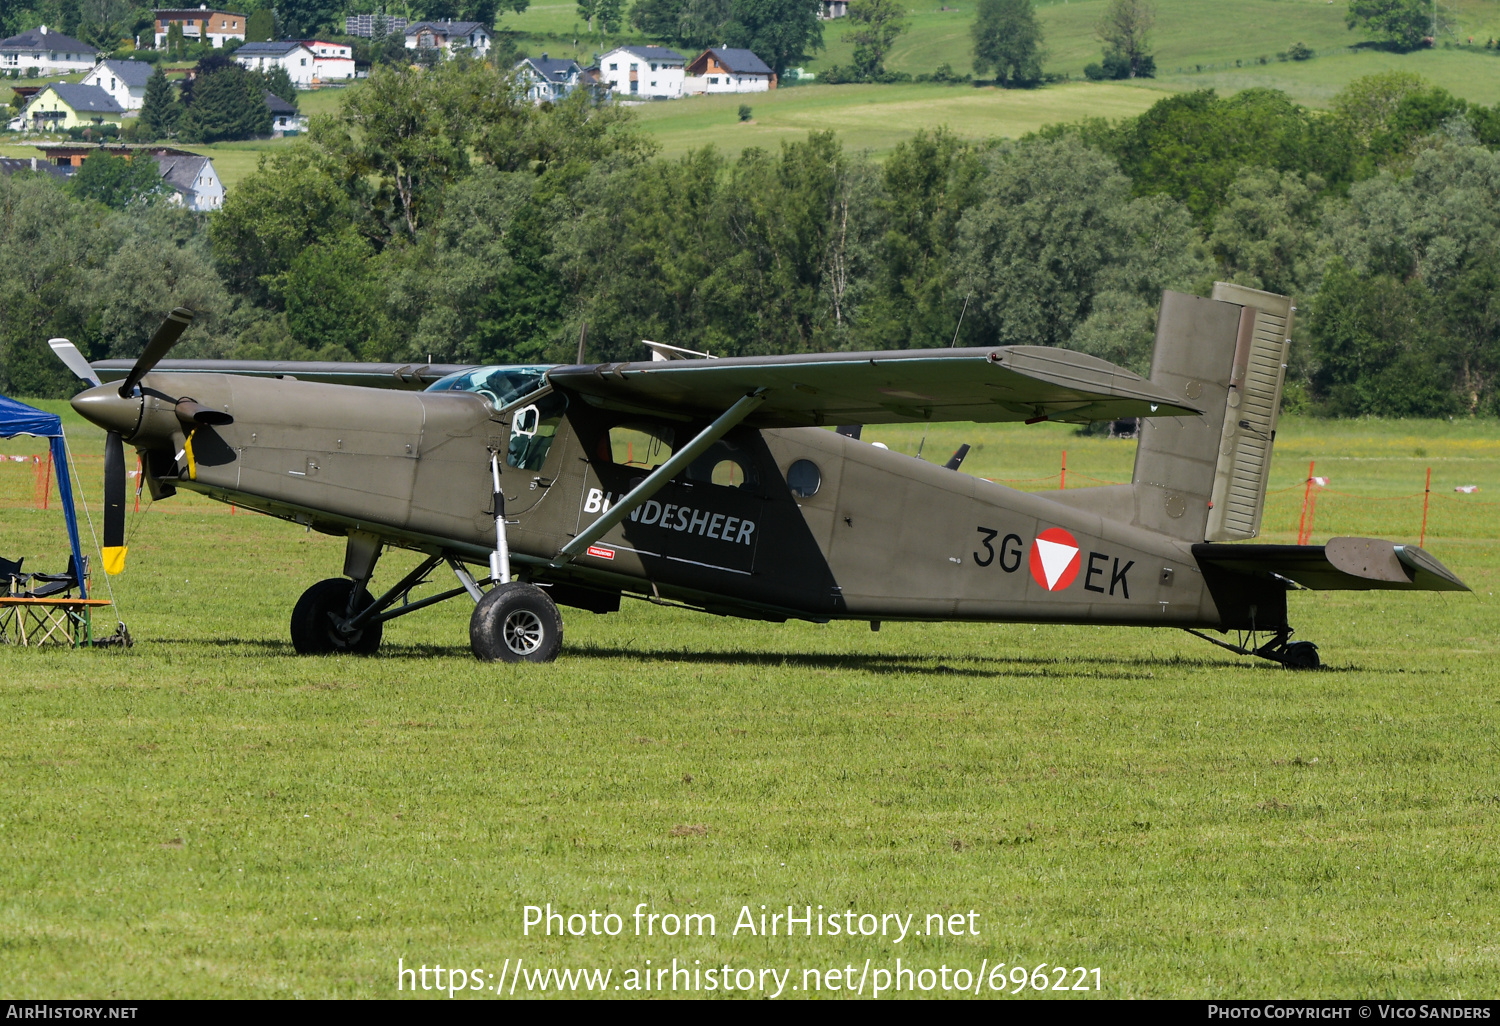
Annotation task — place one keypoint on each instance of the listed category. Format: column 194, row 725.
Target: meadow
column 208, row 815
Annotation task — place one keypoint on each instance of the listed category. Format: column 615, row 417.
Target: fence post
column 1426, row 494
column 1303, row 530
column 1065, row 471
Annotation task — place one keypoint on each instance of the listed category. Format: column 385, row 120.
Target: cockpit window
column 500, row 385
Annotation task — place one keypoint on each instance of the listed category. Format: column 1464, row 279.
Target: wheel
column 516, row 623
column 1301, row 655
column 315, row 619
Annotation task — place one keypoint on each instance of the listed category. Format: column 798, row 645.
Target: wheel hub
column 523, row 632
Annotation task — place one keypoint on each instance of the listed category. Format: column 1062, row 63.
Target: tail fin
column 1204, row 478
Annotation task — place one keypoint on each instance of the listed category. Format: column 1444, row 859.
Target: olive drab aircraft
column 721, row 485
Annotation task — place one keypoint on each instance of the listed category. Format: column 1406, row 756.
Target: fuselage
column 770, row 523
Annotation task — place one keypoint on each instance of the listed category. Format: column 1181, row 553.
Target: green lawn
column 875, row 118
column 207, row 815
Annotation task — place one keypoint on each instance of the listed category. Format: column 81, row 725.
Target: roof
column 447, row 28
column 278, row 105
column 44, row 39
column 85, row 99
column 553, row 69
column 268, row 49
column 194, row 10
column 14, row 165
column 181, row 173
column 132, row 73
column 16, row 418
column 742, row 62
column 653, row 53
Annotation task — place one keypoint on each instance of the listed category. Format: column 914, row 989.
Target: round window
column 804, row 478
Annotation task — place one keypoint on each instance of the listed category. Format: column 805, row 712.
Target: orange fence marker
column 1065, row 470
column 47, row 483
column 1426, row 494
column 1304, row 529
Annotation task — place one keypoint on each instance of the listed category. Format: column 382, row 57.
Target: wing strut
column 660, row 476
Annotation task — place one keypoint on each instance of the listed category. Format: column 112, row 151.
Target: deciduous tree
column 873, row 28
column 1125, row 29
column 783, row 33
column 1008, row 41
column 1404, row 22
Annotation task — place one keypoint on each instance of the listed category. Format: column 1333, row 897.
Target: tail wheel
column 1301, row 655
column 516, row 623
column 318, row 617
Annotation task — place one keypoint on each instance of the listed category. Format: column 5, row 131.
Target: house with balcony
column 49, row 52
column 548, row 80
column 200, row 24
column 332, row 62
column 448, row 36
column 725, row 70
column 65, row 105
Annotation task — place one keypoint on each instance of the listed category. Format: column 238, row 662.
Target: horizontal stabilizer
column 1344, row 564
column 1011, row 383
column 409, row 376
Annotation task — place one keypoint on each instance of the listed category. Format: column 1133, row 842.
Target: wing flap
column 987, row 385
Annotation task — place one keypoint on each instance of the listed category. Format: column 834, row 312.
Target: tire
column 1301, row 655
column 313, row 629
column 516, row 623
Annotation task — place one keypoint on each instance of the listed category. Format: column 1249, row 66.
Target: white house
column 830, row 9
column 547, row 80
column 199, row 23
column 51, row 53
column 123, row 80
column 193, row 181
column 648, row 72
column 332, row 62
column 296, row 58
column 284, row 117
column 448, row 36
column 722, row 70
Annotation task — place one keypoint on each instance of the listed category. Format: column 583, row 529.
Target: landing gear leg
column 320, row 620
column 1294, row 655
column 516, row 623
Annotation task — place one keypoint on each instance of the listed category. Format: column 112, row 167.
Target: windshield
column 499, row 385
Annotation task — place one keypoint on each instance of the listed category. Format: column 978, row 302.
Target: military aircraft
column 712, row 484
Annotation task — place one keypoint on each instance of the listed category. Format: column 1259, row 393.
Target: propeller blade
column 165, row 338
column 114, row 504
column 68, row 353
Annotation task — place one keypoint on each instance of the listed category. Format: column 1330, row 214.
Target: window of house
column 653, row 67
column 635, row 85
column 713, row 80
column 653, row 85
column 634, row 66
column 614, row 67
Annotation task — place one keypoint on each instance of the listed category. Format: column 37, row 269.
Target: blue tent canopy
column 20, row 419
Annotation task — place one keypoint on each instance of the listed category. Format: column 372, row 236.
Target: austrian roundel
column 1054, row 559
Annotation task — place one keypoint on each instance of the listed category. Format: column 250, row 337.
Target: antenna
column 923, row 444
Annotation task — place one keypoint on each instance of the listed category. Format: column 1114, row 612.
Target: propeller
column 165, row 338
column 108, row 410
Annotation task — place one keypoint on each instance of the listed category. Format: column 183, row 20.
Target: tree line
column 440, row 215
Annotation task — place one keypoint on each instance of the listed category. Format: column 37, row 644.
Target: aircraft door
column 533, row 453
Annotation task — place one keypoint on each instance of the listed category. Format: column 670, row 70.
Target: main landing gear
column 1280, row 648
column 512, row 622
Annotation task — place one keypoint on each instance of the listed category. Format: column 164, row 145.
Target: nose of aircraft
column 104, row 406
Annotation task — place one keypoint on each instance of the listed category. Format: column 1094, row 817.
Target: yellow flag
column 114, row 559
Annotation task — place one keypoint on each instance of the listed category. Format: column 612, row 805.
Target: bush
column 1298, row 52
column 32, row 73
column 1094, row 73
column 744, row 112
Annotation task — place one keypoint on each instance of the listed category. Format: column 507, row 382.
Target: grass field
column 206, row 815
column 876, row 118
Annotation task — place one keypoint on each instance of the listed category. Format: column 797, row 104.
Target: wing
column 410, row 376
column 1026, row 383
